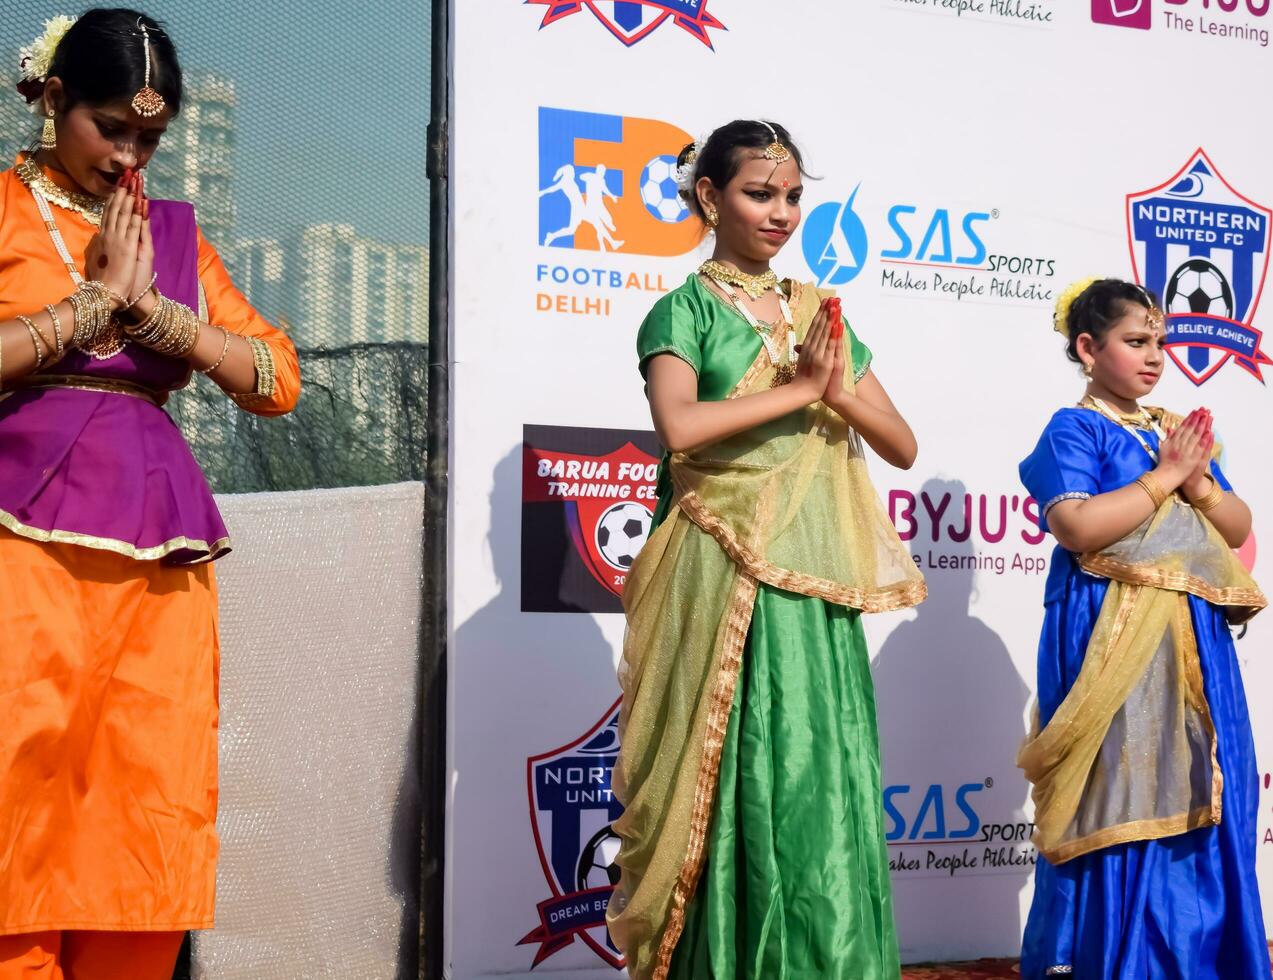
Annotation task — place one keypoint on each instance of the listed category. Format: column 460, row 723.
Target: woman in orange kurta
column 108, row 617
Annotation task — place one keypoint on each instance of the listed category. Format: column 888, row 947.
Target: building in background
column 195, row 161
column 260, row 270
column 327, row 284
column 355, row 289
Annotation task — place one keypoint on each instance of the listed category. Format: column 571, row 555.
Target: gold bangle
column 57, row 329
column 1212, row 499
column 225, row 349
column 1149, row 483
column 154, row 277
column 35, row 339
column 121, row 300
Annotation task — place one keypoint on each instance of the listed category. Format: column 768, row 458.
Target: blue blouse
column 1080, row 454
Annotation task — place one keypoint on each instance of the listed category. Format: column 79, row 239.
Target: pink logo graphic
column 1122, row 13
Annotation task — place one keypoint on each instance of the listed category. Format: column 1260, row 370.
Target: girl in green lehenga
column 752, row 842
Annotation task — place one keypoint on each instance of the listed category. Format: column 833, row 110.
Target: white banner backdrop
column 972, row 158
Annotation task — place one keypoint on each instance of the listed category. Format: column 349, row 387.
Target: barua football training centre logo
column 1204, row 249
column 593, row 489
column 608, row 183
column 571, row 810
column 635, row 20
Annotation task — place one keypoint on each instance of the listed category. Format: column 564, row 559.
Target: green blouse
column 713, row 338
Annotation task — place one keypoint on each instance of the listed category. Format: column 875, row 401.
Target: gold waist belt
column 86, row 383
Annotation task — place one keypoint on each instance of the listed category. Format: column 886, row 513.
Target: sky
column 333, row 104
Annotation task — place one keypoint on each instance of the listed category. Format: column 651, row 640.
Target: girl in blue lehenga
column 1145, row 783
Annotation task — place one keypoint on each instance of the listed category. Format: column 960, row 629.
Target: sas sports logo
column 1203, row 248
column 588, row 498
column 571, row 810
column 1123, row 13
column 834, row 242
column 608, row 183
column 634, row 20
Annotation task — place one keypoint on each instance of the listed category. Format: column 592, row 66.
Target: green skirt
column 796, row 885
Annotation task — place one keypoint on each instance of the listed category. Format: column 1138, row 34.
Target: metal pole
column 434, row 620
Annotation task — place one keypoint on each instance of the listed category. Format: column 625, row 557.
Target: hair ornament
column 147, row 102
column 36, row 58
column 685, row 172
column 1061, row 318
column 777, row 150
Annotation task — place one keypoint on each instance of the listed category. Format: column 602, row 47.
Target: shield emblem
column 633, row 20
column 571, row 810
column 626, row 19
column 1203, row 249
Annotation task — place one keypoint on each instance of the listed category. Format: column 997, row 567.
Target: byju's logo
column 1204, row 249
column 607, row 183
column 571, row 809
column 634, row 20
column 834, row 242
column 1123, row 13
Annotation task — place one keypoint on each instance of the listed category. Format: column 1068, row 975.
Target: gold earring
column 1087, row 371
column 48, row 135
column 713, row 219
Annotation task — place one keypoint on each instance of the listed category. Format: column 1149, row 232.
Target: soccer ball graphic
column 596, row 863
column 1199, row 287
column 621, row 532
column 659, row 191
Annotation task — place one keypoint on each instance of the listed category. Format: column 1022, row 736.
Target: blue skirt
column 1184, row 907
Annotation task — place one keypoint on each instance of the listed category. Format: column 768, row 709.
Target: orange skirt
column 108, row 741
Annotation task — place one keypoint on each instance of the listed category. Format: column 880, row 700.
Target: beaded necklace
column 111, row 340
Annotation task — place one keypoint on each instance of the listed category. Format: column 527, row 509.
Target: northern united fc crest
column 571, row 810
column 1203, row 248
column 634, row 20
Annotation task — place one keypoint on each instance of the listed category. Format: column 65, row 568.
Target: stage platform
column 972, row 970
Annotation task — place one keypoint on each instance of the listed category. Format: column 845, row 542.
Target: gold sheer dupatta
column 789, row 504
column 1130, row 754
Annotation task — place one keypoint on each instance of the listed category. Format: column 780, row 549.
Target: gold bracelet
column 92, row 311
column 57, row 329
column 225, row 349
column 121, row 300
column 1212, row 499
column 1149, row 483
column 154, row 277
column 35, row 339
column 171, row 329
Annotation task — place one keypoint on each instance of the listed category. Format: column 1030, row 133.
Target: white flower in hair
column 685, row 172
column 35, row 59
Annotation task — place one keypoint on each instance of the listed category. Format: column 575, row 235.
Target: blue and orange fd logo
column 608, row 183
column 1203, row 248
column 634, row 20
column 571, row 812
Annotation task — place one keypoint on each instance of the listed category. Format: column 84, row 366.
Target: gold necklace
column 109, row 341
column 753, row 286
column 85, row 205
column 1132, row 423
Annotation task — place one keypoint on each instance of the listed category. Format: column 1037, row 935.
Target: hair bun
column 31, row 89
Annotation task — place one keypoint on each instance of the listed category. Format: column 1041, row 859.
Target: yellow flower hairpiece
column 1061, row 318
column 35, row 60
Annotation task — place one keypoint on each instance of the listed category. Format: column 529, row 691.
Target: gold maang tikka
column 147, row 102
column 777, row 150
